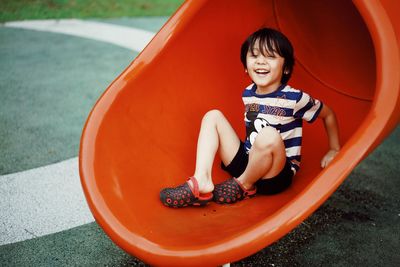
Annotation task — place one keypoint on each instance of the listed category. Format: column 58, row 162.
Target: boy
column 270, row 156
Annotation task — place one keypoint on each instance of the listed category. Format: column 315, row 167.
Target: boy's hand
column 332, row 130
column 328, row 157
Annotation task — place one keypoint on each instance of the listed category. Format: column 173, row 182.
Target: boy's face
column 265, row 70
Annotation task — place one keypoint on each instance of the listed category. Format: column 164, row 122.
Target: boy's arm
column 332, row 130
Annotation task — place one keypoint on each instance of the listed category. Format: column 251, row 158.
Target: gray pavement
column 49, row 199
column 49, row 83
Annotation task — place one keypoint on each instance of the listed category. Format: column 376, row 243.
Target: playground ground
column 48, row 84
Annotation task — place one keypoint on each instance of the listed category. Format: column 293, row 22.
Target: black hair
column 270, row 41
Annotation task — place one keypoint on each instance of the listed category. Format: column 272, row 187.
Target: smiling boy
column 267, row 160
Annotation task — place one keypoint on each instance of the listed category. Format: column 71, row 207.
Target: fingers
column 324, row 162
column 327, row 159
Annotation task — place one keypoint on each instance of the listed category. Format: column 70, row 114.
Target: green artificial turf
column 12, row 10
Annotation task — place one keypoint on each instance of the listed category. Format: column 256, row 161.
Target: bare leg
column 215, row 133
column 267, row 157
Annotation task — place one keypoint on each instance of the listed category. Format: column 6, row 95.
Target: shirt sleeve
column 307, row 108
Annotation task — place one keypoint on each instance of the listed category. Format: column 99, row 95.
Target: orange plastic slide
column 141, row 135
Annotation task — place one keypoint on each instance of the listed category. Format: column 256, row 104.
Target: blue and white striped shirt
column 285, row 109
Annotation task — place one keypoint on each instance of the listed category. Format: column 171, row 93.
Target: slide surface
column 141, row 135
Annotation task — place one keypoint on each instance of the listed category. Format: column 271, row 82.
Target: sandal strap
column 246, row 192
column 195, row 189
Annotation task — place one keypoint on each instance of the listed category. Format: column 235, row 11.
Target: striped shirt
column 285, row 109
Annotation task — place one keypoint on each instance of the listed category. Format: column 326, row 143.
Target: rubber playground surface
column 50, row 81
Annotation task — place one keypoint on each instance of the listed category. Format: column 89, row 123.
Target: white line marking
column 41, row 201
column 131, row 38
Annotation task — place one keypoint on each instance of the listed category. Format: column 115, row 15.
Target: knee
column 268, row 139
column 212, row 116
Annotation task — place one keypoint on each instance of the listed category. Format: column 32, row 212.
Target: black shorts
column 269, row 186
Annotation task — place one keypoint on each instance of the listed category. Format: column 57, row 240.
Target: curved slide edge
column 382, row 118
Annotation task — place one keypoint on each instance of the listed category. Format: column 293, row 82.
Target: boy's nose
column 261, row 61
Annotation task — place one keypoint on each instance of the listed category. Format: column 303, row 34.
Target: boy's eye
column 256, row 54
column 270, row 55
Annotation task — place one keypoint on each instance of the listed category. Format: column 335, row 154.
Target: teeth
column 262, row 71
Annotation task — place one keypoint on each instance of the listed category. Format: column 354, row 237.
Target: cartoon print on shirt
column 256, row 125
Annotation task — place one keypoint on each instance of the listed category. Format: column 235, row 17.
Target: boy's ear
column 286, row 71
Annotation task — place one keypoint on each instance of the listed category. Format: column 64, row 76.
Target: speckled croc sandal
column 184, row 195
column 231, row 191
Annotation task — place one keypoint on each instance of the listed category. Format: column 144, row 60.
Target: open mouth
column 261, row 71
